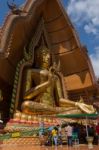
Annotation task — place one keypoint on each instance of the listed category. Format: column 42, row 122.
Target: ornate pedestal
column 90, row 142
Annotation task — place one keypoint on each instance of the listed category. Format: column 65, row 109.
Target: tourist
column 59, row 134
column 91, row 130
column 55, row 136
column 75, row 134
column 41, row 133
column 69, row 130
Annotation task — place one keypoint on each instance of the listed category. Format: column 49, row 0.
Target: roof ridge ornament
column 14, row 8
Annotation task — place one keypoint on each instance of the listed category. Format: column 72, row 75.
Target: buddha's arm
column 30, row 76
column 82, row 106
column 86, row 108
column 65, row 102
column 30, row 94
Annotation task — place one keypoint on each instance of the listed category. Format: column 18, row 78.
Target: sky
column 84, row 15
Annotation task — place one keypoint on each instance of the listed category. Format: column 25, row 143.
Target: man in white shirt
column 69, row 131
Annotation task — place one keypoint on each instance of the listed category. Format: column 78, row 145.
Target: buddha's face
column 43, row 58
column 46, row 61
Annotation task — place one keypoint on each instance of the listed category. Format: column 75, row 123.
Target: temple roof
column 17, row 30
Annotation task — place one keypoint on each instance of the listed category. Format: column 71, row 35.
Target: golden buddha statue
column 45, row 95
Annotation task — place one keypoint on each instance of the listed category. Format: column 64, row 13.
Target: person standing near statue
column 55, row 136
column 41, row 133
column 69, row 131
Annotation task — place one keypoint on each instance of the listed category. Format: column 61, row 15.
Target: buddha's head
column 43, row 58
